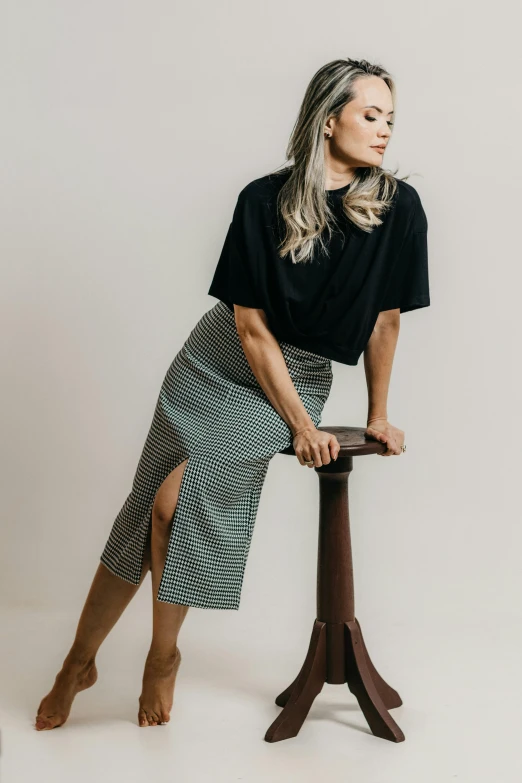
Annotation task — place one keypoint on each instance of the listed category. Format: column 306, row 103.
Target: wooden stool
column 337, row 653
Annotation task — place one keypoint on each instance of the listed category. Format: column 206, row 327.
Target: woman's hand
column 381, row 429
column 315, row 446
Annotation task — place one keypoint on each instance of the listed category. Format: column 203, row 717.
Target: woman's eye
column 372, row 119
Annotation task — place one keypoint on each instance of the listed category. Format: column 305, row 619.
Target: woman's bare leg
column 163, row 659
column 106, row 601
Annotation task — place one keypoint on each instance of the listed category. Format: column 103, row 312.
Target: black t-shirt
column 328, row 305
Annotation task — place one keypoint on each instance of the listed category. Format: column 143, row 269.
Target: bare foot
column 157, row 693
column 54, row 708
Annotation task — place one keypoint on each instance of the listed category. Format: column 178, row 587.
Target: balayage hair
column 302, row 201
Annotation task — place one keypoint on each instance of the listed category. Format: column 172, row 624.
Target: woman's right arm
column 268, row 364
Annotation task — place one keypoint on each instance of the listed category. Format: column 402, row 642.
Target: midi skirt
column 212, row 411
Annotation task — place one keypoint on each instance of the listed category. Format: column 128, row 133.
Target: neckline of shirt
column 340, row 191
column 334, row 191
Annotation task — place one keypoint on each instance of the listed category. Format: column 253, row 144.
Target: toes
column 148, row 718
column 45, row 723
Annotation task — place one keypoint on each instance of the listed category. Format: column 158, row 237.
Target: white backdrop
column 128, row 129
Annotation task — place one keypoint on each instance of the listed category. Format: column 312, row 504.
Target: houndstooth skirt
column 212, row 410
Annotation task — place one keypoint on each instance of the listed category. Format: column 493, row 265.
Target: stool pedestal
column 337, row 653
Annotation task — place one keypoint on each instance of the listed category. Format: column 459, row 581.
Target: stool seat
column 352, row 440
column 337, row 651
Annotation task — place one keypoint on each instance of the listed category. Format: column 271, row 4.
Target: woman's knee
column 167, row 498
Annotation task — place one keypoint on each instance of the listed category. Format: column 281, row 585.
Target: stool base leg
column 389, row 696
column 366, row 690
column 373, row 694
column 300, row 695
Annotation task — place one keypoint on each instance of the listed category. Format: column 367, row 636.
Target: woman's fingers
column 334, row 447
column 300, row 456
column 316, row 448
column 320, row 454
column 392, row 447
column 393, row 438
column 326, row 457
column 315, row 455
column 303, row 454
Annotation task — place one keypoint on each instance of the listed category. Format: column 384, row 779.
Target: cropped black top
column 328, row 305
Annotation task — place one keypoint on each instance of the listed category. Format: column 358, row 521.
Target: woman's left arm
column 378, row 361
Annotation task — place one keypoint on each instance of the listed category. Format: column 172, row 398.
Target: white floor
column 459, row 679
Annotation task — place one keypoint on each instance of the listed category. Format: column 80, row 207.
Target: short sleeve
column 408, row 287
column 235, row 279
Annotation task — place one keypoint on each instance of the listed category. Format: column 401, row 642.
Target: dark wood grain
column 337, row 652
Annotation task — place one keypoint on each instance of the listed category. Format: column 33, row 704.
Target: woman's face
column 364, row 124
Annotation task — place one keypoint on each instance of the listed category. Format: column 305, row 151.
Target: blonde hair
column 302, row 202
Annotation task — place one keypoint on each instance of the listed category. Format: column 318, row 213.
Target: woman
column 319, row 261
